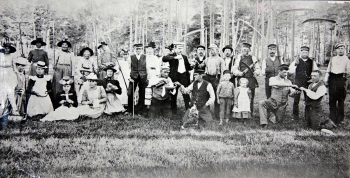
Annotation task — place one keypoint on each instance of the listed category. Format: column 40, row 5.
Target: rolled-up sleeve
column 321, row 91
column 211, row 95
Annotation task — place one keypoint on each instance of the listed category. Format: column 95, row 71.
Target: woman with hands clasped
column 94, row 99
column 66, row 101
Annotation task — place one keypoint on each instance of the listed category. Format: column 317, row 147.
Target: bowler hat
column 227, row 47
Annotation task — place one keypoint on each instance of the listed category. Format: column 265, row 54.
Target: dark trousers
column 214, row 81
column 267, row 88
column 183, row 79
column 314, row 116
column 142, row 83
column 4, row 120
column 337, row 95
column 297, row 100
column 159, row 108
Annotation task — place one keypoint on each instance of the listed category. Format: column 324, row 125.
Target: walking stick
column 120, row 69
column 133, row 99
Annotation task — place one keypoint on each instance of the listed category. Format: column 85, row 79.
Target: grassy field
column 155, row 147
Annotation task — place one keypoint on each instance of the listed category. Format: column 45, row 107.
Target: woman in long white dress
column 94, row 99
column 67, row 102
column 123, row 76
column 7, row 72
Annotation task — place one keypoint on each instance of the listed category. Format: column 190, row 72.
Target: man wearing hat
column 301, row 68
column 336, row 76
column 153, row 62
column 203, row 95
column 215, row 65
column 281, row 89
column 64, row 65
column 138, row 77
column 200, row 58
column 269, row 67
column 36, row 55
column 229, row 60
column 105, row 58
column 247, row 66
column 162, row 89
column 179, row 72
column 20, row 64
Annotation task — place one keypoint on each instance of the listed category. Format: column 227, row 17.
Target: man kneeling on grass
column 281, row 88
column 314, row 114
column 202, row 96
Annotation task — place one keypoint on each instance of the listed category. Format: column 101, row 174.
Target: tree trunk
column 130, row 36
column 202, row 21
column 163, row 30
column 263, row 29
column 254, row 41
column 170, row 28
column 234, row 29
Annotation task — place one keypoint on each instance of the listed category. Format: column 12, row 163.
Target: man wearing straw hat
column 36, row 55
column 336, row 76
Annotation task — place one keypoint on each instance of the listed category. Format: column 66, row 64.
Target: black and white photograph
column 174, row 88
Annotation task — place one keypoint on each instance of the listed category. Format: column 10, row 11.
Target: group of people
column 86, row 86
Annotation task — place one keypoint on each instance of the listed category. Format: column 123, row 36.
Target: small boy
column 225, row 96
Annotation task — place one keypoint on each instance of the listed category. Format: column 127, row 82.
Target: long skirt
column 39, row 105
column 86, row 110
column 62, row 113
column 59, row 73
column 113, row 104
column 8, row 76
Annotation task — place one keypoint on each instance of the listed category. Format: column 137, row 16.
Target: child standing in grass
column 225, row 93
column 243, row 95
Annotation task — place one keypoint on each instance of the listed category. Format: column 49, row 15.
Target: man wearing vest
column 138, row 76
column 241, row 64
column 301, row 68
column 269, row 67
column 336, row 76
column 179, row 72
column 228, row 60
column 162, row 87
column 200, row 58
column 203, row 96
column 281, row 88
column 313, row 107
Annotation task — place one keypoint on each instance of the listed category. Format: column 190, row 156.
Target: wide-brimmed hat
column 151, row 45
column 41, row 64
column 84, row 49
column 102, row 44
column 92, row 76
column 8, row 45
column 38, row 40
column 110, row 66
column 59, row 44
column 85, row 68
column 227, row 47
column 21, row 61
column 66, row 80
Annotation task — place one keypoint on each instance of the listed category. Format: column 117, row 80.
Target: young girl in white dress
column 243, row 95
column 39, row 87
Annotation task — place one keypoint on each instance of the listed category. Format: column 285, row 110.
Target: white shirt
column 153, row 66
column 227, row 63
column 293, row 67
column 210, row 90
column 338, row 65
column 321, row 91
column 214, row 65
column 181, row 68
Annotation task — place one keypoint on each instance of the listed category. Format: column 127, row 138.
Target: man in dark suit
column 179, row 72
column 138, row 76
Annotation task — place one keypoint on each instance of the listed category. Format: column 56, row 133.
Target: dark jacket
column 174, row 64
column 62, row 96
